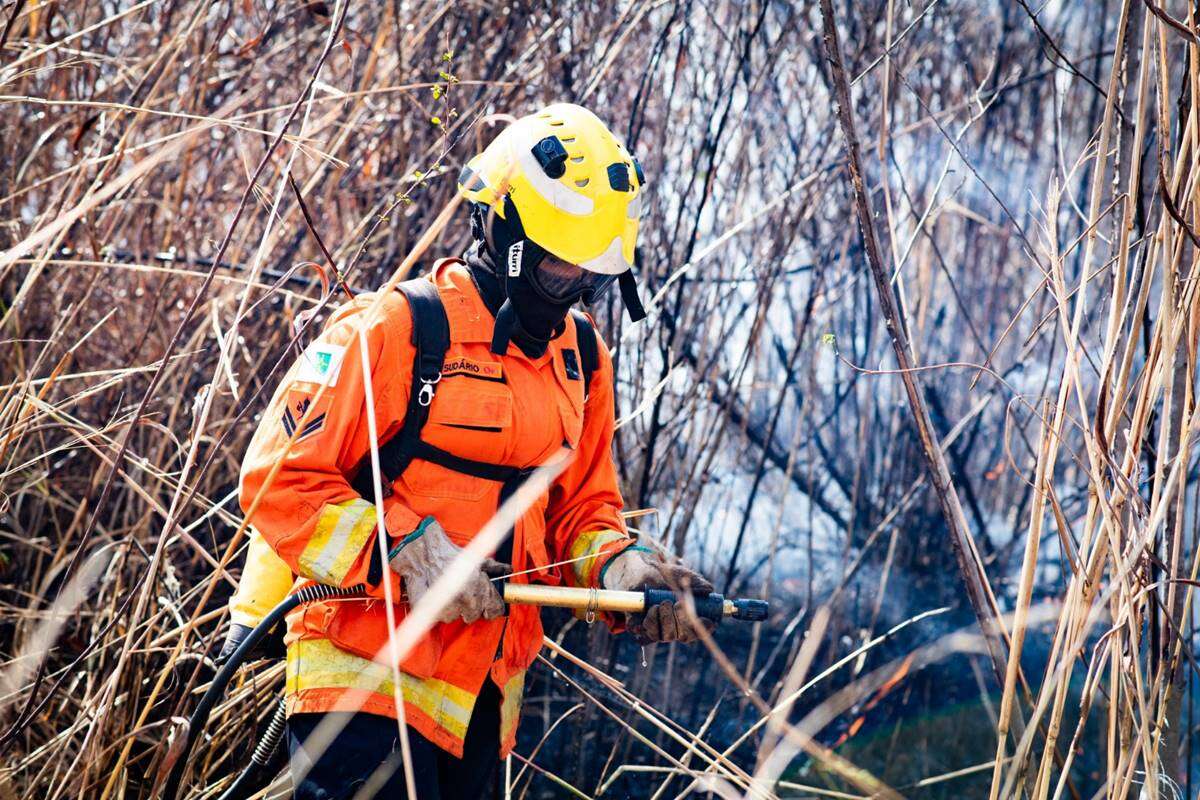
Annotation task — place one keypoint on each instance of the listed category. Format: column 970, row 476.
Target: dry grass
column 185, row 187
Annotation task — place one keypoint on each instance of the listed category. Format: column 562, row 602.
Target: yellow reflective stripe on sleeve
column 319, row 664
column 588, row 544
column 510, row 708
column 341, row 534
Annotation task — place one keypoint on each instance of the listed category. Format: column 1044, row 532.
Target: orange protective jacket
column 511, row 410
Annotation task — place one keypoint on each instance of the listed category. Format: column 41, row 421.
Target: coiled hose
column 264, row 752
column 220, row 682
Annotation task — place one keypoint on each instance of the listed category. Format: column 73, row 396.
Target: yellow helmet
column 557, row 181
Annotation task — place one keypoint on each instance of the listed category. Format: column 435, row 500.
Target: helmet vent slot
column 576, row 159
column 583, row 183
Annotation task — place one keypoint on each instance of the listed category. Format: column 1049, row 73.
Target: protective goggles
column 559, row 282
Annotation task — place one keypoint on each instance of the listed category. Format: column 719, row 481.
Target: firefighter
column 478, row 373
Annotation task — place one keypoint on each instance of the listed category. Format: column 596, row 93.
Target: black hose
column 216, row 689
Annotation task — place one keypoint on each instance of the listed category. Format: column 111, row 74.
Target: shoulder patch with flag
column 320, row 361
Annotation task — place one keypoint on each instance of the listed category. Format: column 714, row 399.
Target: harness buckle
column 425, row 397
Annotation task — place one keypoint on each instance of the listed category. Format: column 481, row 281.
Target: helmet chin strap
column 502, row 332
column 629, row 296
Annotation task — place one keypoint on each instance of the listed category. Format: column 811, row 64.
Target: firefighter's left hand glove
column 638, row 569
column 425, row 554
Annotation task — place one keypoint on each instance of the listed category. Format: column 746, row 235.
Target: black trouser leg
column 364, row 761
column 473, row 777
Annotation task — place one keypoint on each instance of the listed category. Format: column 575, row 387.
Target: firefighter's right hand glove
column 425, row 554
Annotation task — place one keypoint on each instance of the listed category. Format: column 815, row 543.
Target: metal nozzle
column 750, row 610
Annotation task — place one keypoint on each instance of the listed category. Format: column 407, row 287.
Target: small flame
column 882, row 692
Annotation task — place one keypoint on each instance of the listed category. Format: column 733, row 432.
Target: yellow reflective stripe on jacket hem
column 320, row 664
column 510, row 707
column 587, row 547
column 341, row 534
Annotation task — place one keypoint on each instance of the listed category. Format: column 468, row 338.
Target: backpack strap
column 431, row 339
column 589, row 348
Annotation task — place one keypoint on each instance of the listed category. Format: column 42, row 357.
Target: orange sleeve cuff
column 399, row 520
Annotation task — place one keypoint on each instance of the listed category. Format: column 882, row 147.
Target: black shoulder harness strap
column 589, row 349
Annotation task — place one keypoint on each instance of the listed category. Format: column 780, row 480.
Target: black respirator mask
column 538, row 292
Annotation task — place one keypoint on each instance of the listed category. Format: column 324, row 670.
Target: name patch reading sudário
column 461, row 365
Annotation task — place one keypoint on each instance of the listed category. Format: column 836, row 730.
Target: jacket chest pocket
column 470, row 418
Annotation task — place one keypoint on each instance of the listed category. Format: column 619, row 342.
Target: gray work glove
column 425, row 554
column 638, row 569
